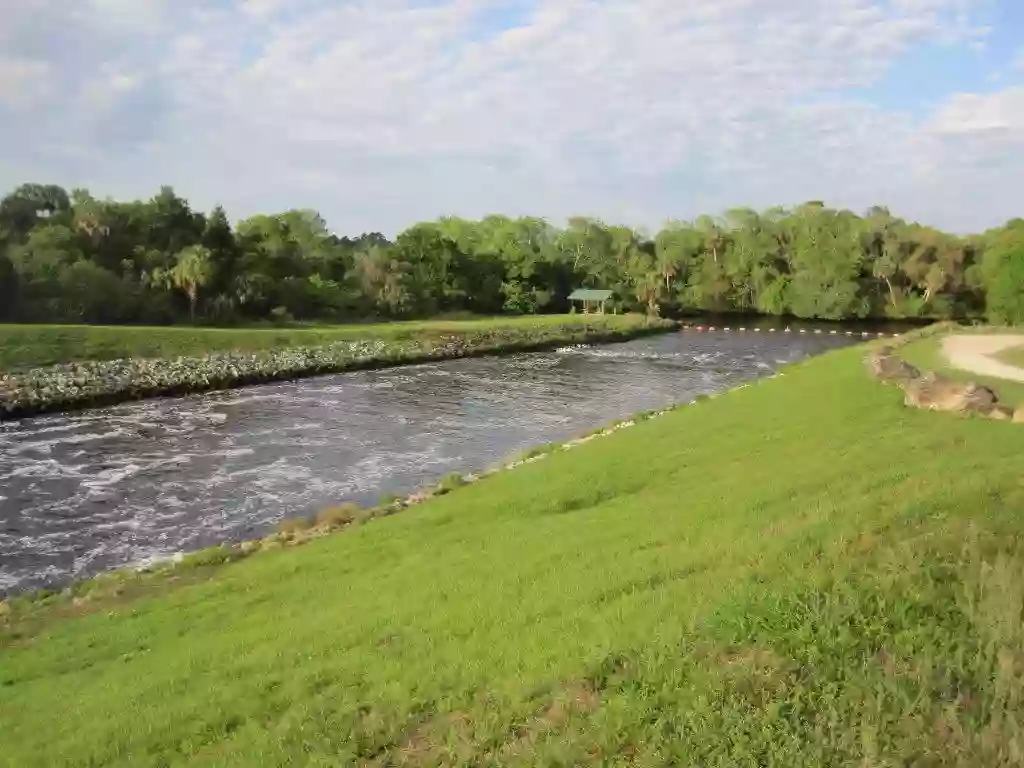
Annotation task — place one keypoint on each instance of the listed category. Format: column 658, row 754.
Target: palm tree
column 192, row 271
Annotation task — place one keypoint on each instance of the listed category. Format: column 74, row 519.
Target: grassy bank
column 115, row 364
column 800, row 572
column 35, row 346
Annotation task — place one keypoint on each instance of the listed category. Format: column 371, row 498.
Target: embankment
column 90, row 383
column 798, row 572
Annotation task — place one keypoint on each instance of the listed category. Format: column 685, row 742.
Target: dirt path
column 974, row 353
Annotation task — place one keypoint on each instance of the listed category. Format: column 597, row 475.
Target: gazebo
column 591, row 299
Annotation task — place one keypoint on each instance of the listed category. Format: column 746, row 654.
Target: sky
column 382, row 113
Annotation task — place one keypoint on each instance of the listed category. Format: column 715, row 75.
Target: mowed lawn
column 26, row 346
column 799, row 572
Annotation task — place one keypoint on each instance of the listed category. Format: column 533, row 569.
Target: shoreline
column 708, row 560
column 293, row 532
column 297, row 531
column 99, row 384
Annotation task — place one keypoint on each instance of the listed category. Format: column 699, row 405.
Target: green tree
column 384, row 279
column 9, row 288
column 676, row 248
column 191, row 273
column 1003, row 271
column 39, row 262
column 89, row 293
column 30, row 204
column 219, row 239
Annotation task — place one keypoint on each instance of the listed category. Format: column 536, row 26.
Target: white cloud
column 383, row 112
column 22, row 80
column 1000, row 112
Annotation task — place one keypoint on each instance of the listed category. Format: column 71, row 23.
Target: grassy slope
column 25, row 346
column 801, row 572
column 1013, row 356
column 926, row 354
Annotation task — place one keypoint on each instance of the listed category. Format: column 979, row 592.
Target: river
column 86, row 492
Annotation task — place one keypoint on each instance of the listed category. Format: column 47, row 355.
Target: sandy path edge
column 973, row 352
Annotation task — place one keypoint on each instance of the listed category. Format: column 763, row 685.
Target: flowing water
column 81, row 493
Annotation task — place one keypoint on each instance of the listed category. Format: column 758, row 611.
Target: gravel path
column 974, row 353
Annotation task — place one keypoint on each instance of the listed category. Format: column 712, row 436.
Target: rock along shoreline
column 79, row 386
column 299, row 531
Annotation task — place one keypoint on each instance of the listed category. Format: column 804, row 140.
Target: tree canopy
column 72, row 257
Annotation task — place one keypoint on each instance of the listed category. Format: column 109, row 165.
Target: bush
column 450, row 482
column 338, row 517
column 295, row 525
column 281, row 316
column 205, row 558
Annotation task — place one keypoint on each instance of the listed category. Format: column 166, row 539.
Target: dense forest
column 76, row 258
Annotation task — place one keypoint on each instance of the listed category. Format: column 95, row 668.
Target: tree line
column 71, row 257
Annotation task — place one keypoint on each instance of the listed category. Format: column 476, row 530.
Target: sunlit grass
column 800, row 572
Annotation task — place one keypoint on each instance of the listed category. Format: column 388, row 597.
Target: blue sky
column 380, row 113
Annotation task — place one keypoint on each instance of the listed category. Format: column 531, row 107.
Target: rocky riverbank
column 74, row 386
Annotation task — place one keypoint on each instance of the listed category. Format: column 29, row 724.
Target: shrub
column 210, row 556
column 539, row 450
column 450, row 482
column 338, row 517
column 295, row 525
column 281, row 316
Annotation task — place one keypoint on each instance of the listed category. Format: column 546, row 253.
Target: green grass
column 1012, row 356
column 27, row 346
column 800, row 572
column 926, row 355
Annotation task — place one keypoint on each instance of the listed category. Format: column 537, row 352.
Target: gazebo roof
column 588, row 294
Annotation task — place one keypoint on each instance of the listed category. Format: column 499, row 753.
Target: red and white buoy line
column 805, row 331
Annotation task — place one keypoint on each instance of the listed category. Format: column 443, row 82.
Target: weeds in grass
column 334, row 518
column 212, row 556
column 294, row 525
column 450, row 482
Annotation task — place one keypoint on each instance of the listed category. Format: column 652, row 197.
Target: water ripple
column 127, row 484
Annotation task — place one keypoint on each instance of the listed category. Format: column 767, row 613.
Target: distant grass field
column 27, row 346
column 802, row 572
column 926, row 354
